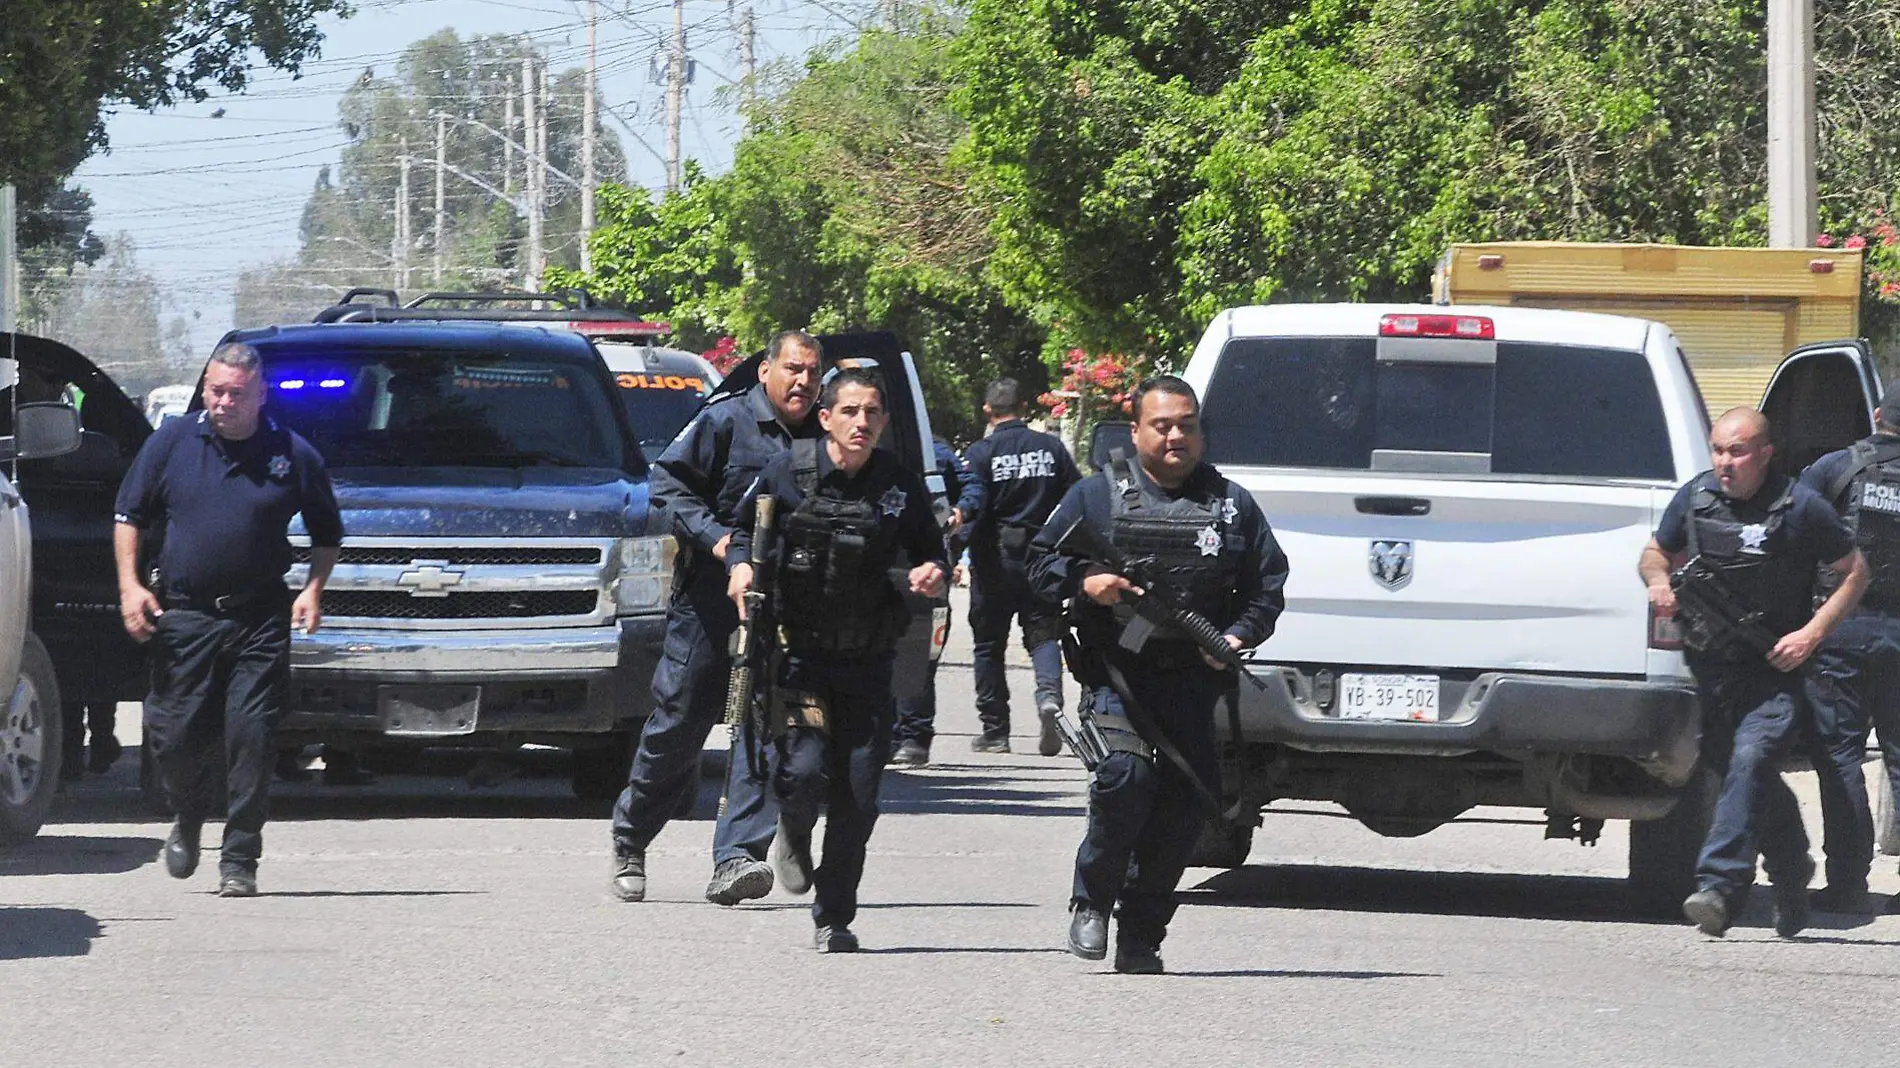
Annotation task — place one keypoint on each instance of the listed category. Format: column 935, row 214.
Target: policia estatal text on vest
column 1208, row 537
column 844, row 509
column 220, row 489
column 1765, row 535
column 1855, row 684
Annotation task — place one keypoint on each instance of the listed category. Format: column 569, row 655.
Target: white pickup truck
column 1464, row 494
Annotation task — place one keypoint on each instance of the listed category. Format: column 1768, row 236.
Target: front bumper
column 528, row 682
column 1654, row 723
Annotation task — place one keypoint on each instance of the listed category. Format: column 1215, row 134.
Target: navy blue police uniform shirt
column 224, row 507
column 884, row 481
column 700, row 480
column 1822, row 473
column 1017, row 476
column 1814, row 530
column 1259, row 590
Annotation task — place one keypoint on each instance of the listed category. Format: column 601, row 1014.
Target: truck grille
column 459, row 555
column 390, row 604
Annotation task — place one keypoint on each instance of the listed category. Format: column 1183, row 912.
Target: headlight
column 646, row 571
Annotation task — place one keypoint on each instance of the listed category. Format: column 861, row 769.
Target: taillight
column 1460, row 327
column 1664, row 634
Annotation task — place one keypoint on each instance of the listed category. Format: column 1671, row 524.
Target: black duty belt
column 842, row 641
column 226, row 604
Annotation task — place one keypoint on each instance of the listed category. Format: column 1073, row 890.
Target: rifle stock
column 1715, row 616
column 752, row 641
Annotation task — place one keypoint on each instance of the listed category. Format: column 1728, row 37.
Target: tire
column 1221, row 846
column 600, row 770
column 1886, row 835
column 1663, row 852
column 31, row 739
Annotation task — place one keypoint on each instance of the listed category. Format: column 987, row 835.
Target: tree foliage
column 62, row 60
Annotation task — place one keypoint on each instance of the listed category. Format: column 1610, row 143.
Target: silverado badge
column 1391, row 563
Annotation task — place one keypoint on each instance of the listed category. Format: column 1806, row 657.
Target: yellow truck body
column 1736, row 311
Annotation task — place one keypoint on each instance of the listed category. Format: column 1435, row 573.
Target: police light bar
column 602, row 328
column 1459, row 327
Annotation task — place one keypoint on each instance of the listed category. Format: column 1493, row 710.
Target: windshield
column 386, row 408
column 659, row 405
column 1541, row 410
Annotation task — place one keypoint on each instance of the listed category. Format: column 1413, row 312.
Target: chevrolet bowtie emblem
column 429, row 578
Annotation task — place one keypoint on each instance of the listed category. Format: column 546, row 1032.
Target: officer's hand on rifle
column 1107, row 588
column 926, row 579
column 738, row 584
column 1793, row 649
column 720, row 547
column 1233, row 643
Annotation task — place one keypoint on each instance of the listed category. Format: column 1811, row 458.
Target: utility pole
column 675, row 94
column 890, row 14
column 508, row 145
column 9, row 266
column 544, row 121
column 588, row 134
column 748, row 64
column 1793, row 216
column 401, row 250
column 531, row 175
column 441, row 214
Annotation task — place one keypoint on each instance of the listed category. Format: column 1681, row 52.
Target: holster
column 792, row 709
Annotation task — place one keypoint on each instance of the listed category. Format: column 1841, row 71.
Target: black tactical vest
column 835, row 592
column 1751, row 547
column 1187, row 541
column 1870, row 504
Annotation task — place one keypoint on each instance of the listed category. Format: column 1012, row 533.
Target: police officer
column 1766, row 535
column 220, row 489
column 917, row 714
column 1855, row 683
column 1017, row 477
column 697, row 483
column 845, row 509
column 1209, row 539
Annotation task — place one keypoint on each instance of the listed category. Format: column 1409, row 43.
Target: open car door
column 75, row 581
column 908, row 435
column 1821, row 398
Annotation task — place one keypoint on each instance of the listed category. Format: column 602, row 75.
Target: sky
column 205, row 198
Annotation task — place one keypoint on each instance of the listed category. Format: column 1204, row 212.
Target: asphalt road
column 425, row 922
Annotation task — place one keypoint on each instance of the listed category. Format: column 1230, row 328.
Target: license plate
column 428, row 710
column 1408, row 697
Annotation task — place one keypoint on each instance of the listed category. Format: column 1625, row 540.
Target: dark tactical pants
column 218, row 683
column 837, row 770
column 917, row 715
column 1145, row 815
column 1752, row 717
column 689, row 699
column 1855, row 687
column 999, row 593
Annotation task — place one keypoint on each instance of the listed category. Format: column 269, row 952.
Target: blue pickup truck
column 501, row 582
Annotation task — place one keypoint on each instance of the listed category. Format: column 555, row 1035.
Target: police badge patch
column 1208, row 541
column 892, row 503
column 1228, row 509
column 279, row 466
column 1752, row 537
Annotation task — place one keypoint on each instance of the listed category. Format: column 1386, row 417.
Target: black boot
column 1088, row 933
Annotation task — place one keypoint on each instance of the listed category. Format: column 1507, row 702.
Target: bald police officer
column 220, row 489
column 1766, row 536
column 1208, row 539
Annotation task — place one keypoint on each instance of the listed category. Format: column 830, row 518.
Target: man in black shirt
column 1017, row 475
column 845, row 508
column 1766, row 535
column 219, row 490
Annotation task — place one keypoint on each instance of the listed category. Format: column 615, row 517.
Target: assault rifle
column 1715, row 617
column 1159, row 606
column 754, row 648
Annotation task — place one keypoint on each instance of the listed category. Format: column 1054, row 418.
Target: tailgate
column 1458, row 573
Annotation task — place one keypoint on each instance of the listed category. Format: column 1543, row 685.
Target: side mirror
column 42, row 431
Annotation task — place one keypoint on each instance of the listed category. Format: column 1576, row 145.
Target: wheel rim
column 22, row 745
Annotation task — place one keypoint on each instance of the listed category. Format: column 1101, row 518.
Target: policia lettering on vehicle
column 844, row 509
column 1207, row 538
column 1757, row 539
column 917, row 714
column 1855, row 684
column 1018, row 475
column 220, row 488
column 697, row 484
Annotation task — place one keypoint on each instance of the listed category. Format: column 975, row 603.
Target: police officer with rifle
column 1855, row 684
column 1753, row 540
column 1189, row 575
column 842, row 510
